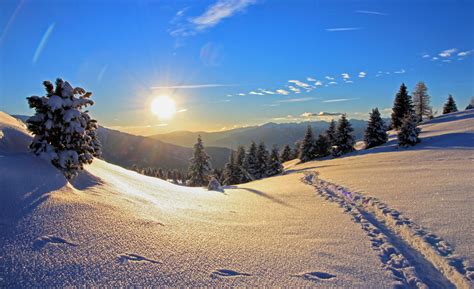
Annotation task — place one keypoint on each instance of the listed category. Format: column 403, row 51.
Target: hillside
column 115, row 227
column 271, row 133
column 126, row 150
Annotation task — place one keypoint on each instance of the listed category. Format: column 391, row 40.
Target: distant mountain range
column 271, row 133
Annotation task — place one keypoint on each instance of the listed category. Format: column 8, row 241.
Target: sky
column 234, row 63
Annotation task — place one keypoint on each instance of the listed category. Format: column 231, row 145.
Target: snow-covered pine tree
column 344, row 137
column 251, row 162
column 274, row 164
column 214, row 185
column 323, row 147
column 401, row 106
column 199, row 166
column 307, row 149
column 296, row 149
column 421, row 102
column 331, row 133
column 286, row 154
column 450, row 105
column 262, row 159
column 231, row 171
column 376, row 131
column 242, row 175
column 63, row 133
column 408, row 134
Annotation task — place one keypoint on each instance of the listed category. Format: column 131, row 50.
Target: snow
column 111, row 226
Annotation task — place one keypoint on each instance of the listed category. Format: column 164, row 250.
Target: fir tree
column 344, row 137
column 199, row 166
column 471, row 104
column 274, row 164
column 262, row 159
column 251, row 165
column 323, row 147
column 421, row 102
column 63, row 133
column 296, row 150
column 401, row 106
column 286, row 154
column 231, row 171
column 408, row 134
column 450, row 105
column 307, row 149
column 376, row 132
column 331, row 133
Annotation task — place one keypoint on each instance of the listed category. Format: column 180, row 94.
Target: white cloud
column 339, row 29
column 371, row 12
column 294, row 89
column 434, row 58
column 266, row 91
column 282, row 92
column 329, row 78
column 362, row 74
column 302, row 99
column 338, row 100
column 332, row 83
column 448, row 52
column 311, row 79
column 464, row 53
column 319, row 114
column 426, row 56
column 182, row 110
column 256, row 93
column 318, row 83
column 241, row 94
column 299, row 83
column 345, row 75
column 401, row 71
column 349, row 81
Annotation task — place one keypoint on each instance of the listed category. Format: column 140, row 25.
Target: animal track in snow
column 227, row 273
column 42, row 241
column 126, row 258
column 315, row 276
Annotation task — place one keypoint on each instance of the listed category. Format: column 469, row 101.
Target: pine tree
column 240, row 165
column 331, row 133
column 421, row 102
column 323, row 147
column 471, row 104
column 344, row 137
column 376, row 132
column 307, row 149
column 286, row 154
column 408, row 134
column 262, row 159
column 296, row 150
column 251, row 162
column 199, row 166
column 450, row 105
column 231, row 171
column 274, row 164
column 401, row 106
column 63, row 133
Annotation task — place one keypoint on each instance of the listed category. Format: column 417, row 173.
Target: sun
column 163, row 106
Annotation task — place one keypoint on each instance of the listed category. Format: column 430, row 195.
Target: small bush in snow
column 63, row 133
column 214, row 185
column 408, row 133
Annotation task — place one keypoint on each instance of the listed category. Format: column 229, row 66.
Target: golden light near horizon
column 163, row 106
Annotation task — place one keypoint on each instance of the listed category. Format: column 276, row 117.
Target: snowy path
column 416, row 257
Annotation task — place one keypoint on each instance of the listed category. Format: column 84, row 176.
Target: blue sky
column 231, row 63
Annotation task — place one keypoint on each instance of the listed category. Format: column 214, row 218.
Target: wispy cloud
column 339, row 29
column 464, row 53
column 282, row 92
column 302, row 99
column 371, row 12
column 294, row 89
column 311, row 79
column 43, row 42
column 362, row 74
column 320, row 114
column 318, row 83
column 266, row 91
column 256, row 93
column 213, row 15
column 332, row 83
column 338, row 100
column 191, row 86
column 401, row 71
column 448, row 52
column 345, row 75
column 299, row 83
column 329, row 78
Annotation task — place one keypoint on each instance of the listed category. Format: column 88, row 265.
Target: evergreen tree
column 274, row 164
column 307, row 149
column 376, row 132
column 471, row 104
column 214, row 185
column 450, row 105
column 240, row 165
column 262, row 159
column 251, row 165
column 199, row 166
column 63, row 133
column 296, row 150
column 401, row 106
column 286, row 154
column 331, row 133
column 344, row 137
column 323, row 147
column 408, row 134
column 421, row 102
column 231, row 171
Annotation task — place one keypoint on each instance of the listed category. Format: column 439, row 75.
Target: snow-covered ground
column 115, row 227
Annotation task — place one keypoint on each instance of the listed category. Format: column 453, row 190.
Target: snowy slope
column 115, row 227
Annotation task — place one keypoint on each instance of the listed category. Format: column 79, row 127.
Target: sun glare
column 163, row 106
